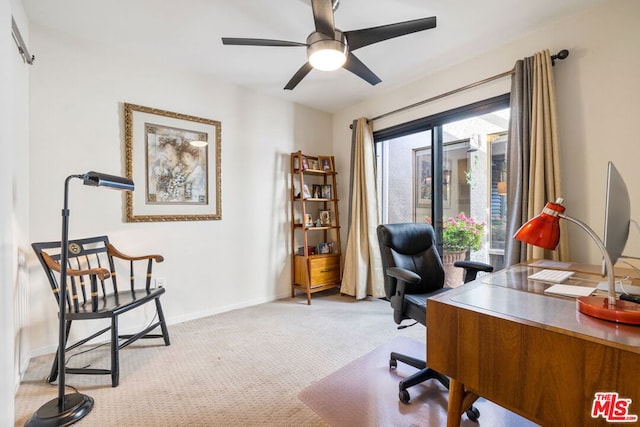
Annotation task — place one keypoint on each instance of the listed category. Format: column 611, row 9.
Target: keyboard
column 552, row 276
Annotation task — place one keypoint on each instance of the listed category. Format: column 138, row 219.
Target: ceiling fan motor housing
column 327, row 53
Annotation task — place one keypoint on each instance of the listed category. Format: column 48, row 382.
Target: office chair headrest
column 407, row 238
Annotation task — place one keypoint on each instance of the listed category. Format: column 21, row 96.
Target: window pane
column 467, row 160
column 404, row 185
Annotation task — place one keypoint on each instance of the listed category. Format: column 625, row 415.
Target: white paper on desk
column 570, row 290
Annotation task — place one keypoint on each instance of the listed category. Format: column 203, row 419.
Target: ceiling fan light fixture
column 328, row 54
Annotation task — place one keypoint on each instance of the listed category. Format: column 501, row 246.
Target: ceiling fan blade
column 259, row 42
column 323, row 16
column 367, row 36
column 356, row 66
column 298, row 76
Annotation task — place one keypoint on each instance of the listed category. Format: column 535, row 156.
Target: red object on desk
column 623, row 312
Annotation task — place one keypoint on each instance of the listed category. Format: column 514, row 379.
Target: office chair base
column 421, row 376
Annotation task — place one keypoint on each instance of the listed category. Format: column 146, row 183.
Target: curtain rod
column 560, row 55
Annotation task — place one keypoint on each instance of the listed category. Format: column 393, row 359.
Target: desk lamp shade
column 544, row 231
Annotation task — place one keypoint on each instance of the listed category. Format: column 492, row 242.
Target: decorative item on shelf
column 325, row 163
column 317, row 191
column 308, row 220
column 325, row 217
column 459, row 234
column 311, row 250
column 313, row 164
column 324, row 248
column 543, row 231
column 326, row 192
column 305, row 163
column 318, row 222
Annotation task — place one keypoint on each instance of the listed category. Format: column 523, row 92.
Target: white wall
column 14, row 208
column 6, row 269
column 597, row 107
column 76, row 124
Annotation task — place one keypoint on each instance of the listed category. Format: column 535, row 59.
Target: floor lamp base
column 76, row 406
column 622, row 312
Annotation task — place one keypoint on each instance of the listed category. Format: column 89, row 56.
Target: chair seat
column 416, row 305
column 112, row 305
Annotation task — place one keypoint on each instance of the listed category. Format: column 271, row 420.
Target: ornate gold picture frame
column 175, row 161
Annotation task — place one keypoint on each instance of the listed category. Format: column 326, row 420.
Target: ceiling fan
column 329, row 48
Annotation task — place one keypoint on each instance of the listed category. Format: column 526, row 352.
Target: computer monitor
column 617, row 215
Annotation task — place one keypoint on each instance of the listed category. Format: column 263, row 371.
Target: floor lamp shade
column 70, row 408
column 103, row 180
column 543, row 231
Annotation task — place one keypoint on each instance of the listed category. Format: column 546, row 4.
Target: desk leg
column 459, row 401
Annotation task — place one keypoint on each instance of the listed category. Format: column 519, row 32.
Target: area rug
column 365, row 393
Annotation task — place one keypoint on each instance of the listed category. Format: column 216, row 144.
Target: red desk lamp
column 544, row 231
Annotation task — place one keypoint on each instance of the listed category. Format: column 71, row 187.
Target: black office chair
column 414, row 272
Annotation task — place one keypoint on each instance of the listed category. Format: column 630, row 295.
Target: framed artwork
column 324, row 248
column 313, row 164
column 317, row 191
column 325, row 217
column 422, row 177
column 306, row 192
column 326, row 192
column 325, row 163
column 175, row 161
column 308, row 220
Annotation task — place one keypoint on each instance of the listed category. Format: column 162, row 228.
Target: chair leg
column 53, row 374
column 115, row 363
column 163, row 324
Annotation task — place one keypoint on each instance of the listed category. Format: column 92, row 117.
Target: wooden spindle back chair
column 94, row 292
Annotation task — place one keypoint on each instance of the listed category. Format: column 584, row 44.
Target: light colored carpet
column 241, row 368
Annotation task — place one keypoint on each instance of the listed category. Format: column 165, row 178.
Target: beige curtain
column 362, row 265
column 544, row 185
column 534, row 168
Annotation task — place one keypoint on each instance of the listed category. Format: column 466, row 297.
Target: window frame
column 435, row 123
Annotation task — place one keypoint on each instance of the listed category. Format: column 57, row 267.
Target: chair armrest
column 116, row 253
column 472, row 268
column 403, row 275
column 102, row 273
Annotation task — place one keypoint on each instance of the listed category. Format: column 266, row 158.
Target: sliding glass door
column 450, row 170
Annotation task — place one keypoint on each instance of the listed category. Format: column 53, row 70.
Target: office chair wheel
column 404, row 396
column 473, row 413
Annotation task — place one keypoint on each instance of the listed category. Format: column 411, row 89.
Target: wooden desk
column 501, row 338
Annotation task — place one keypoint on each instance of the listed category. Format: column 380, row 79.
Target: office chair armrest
column 471, row 269
column 403, row 275
column 116, row 253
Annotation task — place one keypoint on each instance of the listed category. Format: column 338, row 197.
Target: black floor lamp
column 68, row 409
